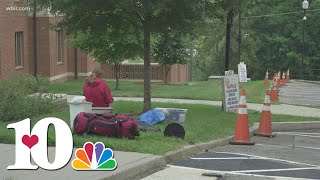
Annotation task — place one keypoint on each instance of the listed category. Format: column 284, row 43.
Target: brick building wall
column 12, row 21
column 43, row 47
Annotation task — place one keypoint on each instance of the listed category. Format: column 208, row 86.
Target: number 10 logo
column 35, row 144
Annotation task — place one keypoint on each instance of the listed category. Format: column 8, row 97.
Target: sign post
column 242, row 71
column 230, row 92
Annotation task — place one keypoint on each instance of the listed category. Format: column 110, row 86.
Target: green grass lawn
column 203, row 123
column 205, row 90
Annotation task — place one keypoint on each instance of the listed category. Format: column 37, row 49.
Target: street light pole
column 305, row 6
column 303, row 49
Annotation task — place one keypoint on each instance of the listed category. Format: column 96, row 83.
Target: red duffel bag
column 119, row 125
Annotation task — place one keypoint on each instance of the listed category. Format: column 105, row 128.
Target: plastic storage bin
column 173, row 115
column 76, row 108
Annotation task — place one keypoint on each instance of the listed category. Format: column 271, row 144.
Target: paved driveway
column 300, row 93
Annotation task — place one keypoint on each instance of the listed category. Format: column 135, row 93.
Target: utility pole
column 228, row 39
column 239, row 39
column 303, row 49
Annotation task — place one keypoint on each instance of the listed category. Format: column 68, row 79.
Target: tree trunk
column 166, row 69
column 117, row 74
column 146, row 73
column 75, row 63
column 228, row 39
column 191, row 63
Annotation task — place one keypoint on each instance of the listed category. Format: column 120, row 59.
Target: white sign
column 242, row 71
column 231, row 91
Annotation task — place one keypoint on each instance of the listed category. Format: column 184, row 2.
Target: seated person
column 96, row 90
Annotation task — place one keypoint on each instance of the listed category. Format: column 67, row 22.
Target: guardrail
column 305, row 74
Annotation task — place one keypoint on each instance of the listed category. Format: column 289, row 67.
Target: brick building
column 19, row 42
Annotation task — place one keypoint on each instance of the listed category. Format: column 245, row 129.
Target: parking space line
column 197, row 169
column 275, row 170
column 232, row 173
column 273, row 145
column 231, row 158
column 291, row 146
column 305, row 147
column 274, row 159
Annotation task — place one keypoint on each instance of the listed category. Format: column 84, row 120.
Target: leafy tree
column 209, row 46
column 169, row 50
column 110, row 47
column 145, row 16
column 274, row 36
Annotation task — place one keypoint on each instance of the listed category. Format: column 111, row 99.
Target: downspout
column 35, row 48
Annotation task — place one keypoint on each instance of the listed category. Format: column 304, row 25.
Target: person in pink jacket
column 96, row 90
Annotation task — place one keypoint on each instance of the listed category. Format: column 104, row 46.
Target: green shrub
column 15, row 102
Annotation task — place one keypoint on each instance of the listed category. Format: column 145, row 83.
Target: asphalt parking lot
column 288, row 155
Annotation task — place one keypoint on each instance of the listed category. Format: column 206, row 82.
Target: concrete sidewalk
column 126, row 162
column 275, row 109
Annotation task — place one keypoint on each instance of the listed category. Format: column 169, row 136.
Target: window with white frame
column 59, row 46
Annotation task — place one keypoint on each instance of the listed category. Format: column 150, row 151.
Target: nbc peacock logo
column 94, row 157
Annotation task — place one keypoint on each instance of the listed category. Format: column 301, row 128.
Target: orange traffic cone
column 283, row 79
column 241, row 133
column 274, row 96
column 265, row 121
column 288, row 76
column 266, row 78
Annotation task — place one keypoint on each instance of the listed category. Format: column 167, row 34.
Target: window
column 60, row 46
column 19, row 48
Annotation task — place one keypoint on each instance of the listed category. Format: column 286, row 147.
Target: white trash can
column 102, row 110
column 76, row 108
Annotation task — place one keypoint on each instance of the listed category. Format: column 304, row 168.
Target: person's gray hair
column 98, row 72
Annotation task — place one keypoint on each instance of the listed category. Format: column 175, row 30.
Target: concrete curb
column 137, row 170
column 194, row 149
column 290, row 126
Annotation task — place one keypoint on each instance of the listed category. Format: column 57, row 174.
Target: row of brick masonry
column 14, row 21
